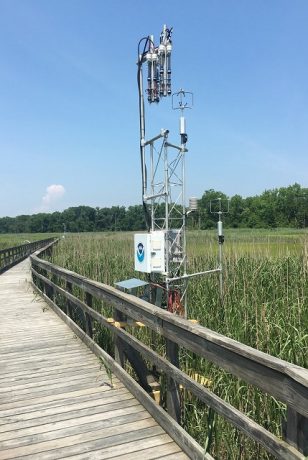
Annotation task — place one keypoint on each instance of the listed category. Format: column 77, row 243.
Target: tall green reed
column 264, row 306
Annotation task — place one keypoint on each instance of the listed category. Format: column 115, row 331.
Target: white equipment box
column 149, row 252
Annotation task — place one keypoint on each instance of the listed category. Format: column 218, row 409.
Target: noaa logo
column 140, row 252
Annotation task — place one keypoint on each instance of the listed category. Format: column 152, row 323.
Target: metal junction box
column 149, row 252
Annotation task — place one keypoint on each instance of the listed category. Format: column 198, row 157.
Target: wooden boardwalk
column 55, row 399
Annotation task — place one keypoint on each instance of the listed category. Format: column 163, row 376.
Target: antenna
column 217, row 207
column 180, row 101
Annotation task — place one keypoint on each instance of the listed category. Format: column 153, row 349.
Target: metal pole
column 184, row 232
column 220, row 241
column 142, row 141
column 142, row 130
column 221, row 281
column 167, row 249
column 152, row 185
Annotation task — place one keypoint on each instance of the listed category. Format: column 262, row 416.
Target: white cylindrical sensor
column 219, row 228
column 182, row 125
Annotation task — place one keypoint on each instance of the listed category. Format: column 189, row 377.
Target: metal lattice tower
column 162, row 254
column 165, row 196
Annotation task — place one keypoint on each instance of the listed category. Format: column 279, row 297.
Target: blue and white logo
column 140, row 252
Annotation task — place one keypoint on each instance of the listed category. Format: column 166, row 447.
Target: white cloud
column 53, row 194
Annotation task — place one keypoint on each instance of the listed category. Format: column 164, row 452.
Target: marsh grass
column 16, row 239
column 264, row 306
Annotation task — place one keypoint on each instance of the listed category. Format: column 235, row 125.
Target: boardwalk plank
column 36, row 377
column 58, row 397
column 131, row 449
column 41, row 384
column 72, row 444
column 13, row 424
column 62, row 402
column 159, row 451
column 55, row 398
column 129, row 415
column 66, row 425
column 63, row 409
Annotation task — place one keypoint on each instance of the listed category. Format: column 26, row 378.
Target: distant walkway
column 55, row 400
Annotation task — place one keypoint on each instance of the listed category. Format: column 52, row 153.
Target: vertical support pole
column 44, row 286
column 152, row 187
column 55, row 280
column 221, row 280
column 142, row 131
column 173, row 396
column 89, row 302
column 167, row 197
column 50, row 292
column 118, row 343
column 296, row 431
column 183, row 236
column 69, row 310
column 220, row 244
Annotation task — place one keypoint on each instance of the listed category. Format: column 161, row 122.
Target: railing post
column 118, row 343
column 89, row 302
column 296, row 430
column 69, row 288
column 48, row 290
column 173, row 396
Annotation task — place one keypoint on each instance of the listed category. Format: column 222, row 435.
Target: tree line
column 281, row 207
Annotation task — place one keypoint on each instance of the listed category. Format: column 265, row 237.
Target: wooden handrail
column 11, row 256
column 283, row 380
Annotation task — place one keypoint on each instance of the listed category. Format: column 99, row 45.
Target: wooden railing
column 284, row 381
column 11, row 256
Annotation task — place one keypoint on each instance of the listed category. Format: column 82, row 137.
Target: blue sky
column 69, row 105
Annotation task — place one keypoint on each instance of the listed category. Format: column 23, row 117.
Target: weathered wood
column 173, row 395
column 71, row 445
column 188, row 444
column 40, row 384
column 238, row 419
column 89, row 302
column 34, row 405
column 11, row 256
column 123, row 350
column 57, row 415
column 271, row 443
column 56, row 399
column 296, row 431
column 63, row 428
column 69, row 309
column 118, row 344
column 283, row 380
column 144, row 375
column 149, row 453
